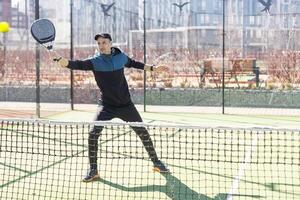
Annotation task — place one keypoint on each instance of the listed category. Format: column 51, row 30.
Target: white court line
column 242, row 168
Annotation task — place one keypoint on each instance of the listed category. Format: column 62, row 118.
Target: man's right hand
column 63, row 62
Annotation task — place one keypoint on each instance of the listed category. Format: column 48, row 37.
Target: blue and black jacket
column 109, row 75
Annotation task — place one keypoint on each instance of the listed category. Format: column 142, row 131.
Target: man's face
column 104, row 45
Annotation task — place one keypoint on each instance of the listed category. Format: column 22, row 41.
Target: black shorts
column 127, row 113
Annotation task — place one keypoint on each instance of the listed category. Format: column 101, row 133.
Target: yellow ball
column 4, row 27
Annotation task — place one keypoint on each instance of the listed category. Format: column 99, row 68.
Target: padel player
column 108, row 68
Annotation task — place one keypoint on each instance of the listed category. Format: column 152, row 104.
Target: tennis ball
column 4, row 27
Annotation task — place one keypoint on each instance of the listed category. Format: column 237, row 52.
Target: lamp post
column 37, row 65
column 71, row 57
column 223, row 60
column 145, row 54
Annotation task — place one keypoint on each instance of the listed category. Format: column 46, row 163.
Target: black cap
column 103, row 35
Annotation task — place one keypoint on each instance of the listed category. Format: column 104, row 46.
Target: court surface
column 248, row 176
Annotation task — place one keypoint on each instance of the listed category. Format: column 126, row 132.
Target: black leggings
column 128, row 114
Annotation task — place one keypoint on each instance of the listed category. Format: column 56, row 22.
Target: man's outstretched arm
column 77, row 64
column 139, row 65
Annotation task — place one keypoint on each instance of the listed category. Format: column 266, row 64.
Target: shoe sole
column 156, row 169
column 91, row 179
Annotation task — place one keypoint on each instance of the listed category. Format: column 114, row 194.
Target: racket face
column 43, row 31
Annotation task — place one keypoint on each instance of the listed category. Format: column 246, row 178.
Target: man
column 108, row 69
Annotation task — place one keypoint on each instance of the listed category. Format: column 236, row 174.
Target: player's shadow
column 174, row 189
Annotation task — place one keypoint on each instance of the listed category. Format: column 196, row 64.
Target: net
column 47, row 160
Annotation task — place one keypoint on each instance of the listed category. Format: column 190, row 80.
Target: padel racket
column 43, row 31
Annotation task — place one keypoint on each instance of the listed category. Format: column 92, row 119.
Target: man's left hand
column 160, row 68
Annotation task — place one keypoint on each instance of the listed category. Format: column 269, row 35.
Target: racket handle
column 50, row 47
column 57, row 59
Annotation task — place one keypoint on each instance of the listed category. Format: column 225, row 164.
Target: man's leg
column 130, row 114
column 102, row 115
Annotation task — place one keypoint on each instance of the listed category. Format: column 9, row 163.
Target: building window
column 203, row 33
column 297, row 8
column 251, row 20
column 270, row 34
column 285, row 8
column 258, row 20
column 202, row 19
column 258, row 34
column 251, row 33
column 215, row 20
column 206, row 19
column 203, row 4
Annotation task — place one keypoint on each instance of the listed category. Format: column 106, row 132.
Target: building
column 5, row 11
column 247, row 28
